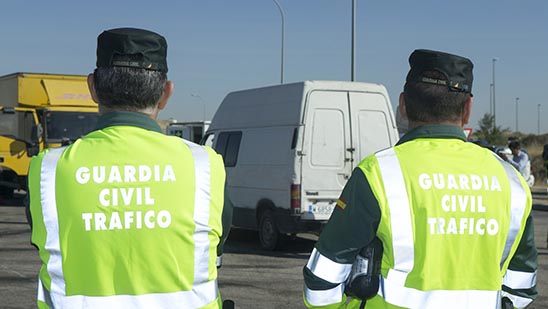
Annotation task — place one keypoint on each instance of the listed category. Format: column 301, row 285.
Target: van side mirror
column 208, row 139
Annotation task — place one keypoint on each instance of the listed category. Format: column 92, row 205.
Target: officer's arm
column 519, row 283
column 351, row 227
column 227, row 223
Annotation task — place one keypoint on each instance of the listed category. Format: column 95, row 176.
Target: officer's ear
column 401, row 107
column 467, row 111
column 166, row 94
column 91, row 86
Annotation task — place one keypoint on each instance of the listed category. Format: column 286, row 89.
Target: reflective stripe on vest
column 187, row 299
column 326, row 269
column 396, row 294
column 400, row 212
column 393, row 288
column 517, row 280
column 201, row 212
column 51, row 222
column 518, row 301
column 203, row 291
column 518, row 198
column 330, row 271
column 324, row 297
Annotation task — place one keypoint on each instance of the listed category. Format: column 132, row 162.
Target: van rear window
column 228, row 146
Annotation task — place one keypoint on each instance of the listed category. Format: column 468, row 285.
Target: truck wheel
column 6, row 193
column 269, row 235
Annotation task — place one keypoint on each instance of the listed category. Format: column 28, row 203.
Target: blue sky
column 217, row 46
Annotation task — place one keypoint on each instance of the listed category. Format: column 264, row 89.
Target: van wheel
column 269, row 235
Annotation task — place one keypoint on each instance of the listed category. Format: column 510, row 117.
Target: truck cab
column 39, row 111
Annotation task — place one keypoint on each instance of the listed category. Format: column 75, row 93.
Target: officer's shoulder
column 481, row 150
column 39, row 157
column 44, row 151
column 208, row 149
column 369, row 162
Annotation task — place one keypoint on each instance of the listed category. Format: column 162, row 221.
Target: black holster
column 507, row 303
column 364, row 279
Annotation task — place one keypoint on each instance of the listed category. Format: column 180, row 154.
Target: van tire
column 269, row 235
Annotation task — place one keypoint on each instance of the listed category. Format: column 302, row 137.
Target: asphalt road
column 253, row 278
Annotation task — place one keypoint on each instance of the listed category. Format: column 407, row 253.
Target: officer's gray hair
column 128, row 89
column 433, row 103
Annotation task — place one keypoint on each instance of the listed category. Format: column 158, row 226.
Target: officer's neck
column 415, row 124
column 151, row 112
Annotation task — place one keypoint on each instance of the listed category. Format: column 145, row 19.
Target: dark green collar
column 433, row 131
column 127, row 119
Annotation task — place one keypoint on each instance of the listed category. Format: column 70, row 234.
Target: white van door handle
column 345, row 176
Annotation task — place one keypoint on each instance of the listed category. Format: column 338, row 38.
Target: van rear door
column 327, row 157
column 341, row 129
column 371, row 128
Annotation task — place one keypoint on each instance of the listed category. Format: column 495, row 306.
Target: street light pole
column 494, row 100
column 203, row 102
column 517, row 99
column 538, row 119
column 491, row 99
column 353, row 44
column 283, row 39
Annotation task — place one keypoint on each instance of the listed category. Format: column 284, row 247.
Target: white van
column 289, row 150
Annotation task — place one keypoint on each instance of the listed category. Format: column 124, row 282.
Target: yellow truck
column 39, row 111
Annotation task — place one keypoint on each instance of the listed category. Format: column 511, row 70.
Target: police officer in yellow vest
column 127, row 217
column 453, row 218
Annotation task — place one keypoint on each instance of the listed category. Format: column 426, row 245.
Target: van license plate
column 320, row 209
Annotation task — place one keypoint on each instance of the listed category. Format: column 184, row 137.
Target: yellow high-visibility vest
column 127, row 218
column 466, row 222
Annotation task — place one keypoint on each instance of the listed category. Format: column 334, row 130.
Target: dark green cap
column 131, row 47
column 457, row 69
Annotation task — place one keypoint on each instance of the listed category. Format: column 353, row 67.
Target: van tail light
column 296, row 199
